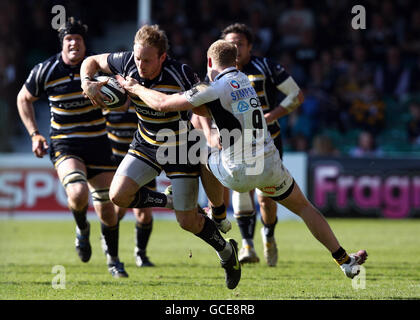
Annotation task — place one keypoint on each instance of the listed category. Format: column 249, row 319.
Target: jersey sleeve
column 200, row 94
column 118, row 62
column 34, row 83
column 276, row 71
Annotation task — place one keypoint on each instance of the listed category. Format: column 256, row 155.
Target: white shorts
column 273, row 181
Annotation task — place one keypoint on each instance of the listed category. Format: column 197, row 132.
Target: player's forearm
column 89, row 68
column 91, row 65
column 26, row 113
column 294, row 96
column 160, row 101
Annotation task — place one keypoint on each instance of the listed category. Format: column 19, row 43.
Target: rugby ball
column 115, row 93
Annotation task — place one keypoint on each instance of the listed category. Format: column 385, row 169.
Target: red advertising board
column 31, row 185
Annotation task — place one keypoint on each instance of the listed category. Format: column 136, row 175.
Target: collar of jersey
column 224, row 72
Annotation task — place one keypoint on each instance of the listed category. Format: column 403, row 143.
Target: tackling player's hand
column 269, row 117
column 92, row 90
column 214, row 139
column 128, row 83
column 39, row 145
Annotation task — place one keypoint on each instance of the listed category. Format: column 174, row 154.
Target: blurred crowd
column 349, row 77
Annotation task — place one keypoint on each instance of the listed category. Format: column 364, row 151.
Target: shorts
column 149, row 154
column 118, row 159
column 142, row 166
column 94, row 153
column 273, row 181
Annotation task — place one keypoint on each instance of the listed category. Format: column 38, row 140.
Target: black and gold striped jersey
column 121, row 127
column 265, row 75
column 72, row 115
column 174, row 77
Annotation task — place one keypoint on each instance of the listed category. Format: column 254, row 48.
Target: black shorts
column 95, row 153
column 147, row 152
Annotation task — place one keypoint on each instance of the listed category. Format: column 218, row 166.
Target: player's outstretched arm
column 155, row 99
column 25, row 107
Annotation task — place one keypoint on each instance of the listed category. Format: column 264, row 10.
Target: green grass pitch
column 188, row 269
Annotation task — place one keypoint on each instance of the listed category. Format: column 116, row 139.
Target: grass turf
column 188, row 269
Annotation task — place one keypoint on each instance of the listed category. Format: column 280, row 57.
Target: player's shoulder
column 49, row 61
column 267, row 62
column 182, row 72
column 176, row 65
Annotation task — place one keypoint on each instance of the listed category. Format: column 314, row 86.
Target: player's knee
column 266, row 203
column 187, row 222
column 118, row 198
column 242, row 203
column 77, row 195
column 143, row 215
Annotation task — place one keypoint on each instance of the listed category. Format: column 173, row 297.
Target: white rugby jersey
column 236, row 110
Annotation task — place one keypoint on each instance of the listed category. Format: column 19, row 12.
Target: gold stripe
column 253, row 77
column 101, row 167
column 261, row 93
column 119, row 152
column 86, row 134
column 67, row 95
column 144, row 156
column 74, row 110
column 119, row 139
column 94, row 122
column 127, row 125
column 182, row 173
column 158, row 119
column 273, row 136
column 56, row 81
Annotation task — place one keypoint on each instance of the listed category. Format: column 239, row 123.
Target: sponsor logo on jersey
column 147, row 112
column 243, row 93
column 235, row 84
column 243, row 106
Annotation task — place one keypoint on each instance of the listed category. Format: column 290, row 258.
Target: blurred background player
column 270, row 81
column 79, row 147
column 121, row 126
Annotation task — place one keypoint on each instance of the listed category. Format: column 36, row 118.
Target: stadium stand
column 332, row 62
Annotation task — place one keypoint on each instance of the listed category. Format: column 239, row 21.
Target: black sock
column 143, row 232
column 341, row 256
column 211, row 235
column 146, row 198
column 80, row 218
column 246, row 224
column 269, row 228
column 111, row 238
column 218, row 213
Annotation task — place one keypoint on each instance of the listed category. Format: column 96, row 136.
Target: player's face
column 74, row 48
column 243, row 46
column 148, row 61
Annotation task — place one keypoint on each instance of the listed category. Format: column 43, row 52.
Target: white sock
column 248, row 242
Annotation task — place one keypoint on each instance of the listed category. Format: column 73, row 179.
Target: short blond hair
column 152, row 36
column 223, row 53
